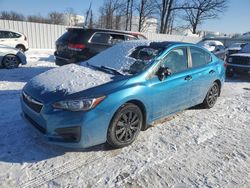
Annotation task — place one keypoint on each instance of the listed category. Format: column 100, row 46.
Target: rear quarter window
column 199, row 57
column 72, row 36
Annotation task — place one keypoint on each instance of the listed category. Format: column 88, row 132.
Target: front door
column 171, row 94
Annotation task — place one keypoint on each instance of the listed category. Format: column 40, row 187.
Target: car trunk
column 71, row 43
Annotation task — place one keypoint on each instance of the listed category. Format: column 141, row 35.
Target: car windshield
column 246, row 49
column 126, row 58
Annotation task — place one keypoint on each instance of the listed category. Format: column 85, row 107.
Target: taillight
column 76, row 47
column 225, row 64
column 25, row 38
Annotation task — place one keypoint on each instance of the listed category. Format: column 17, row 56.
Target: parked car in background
column 79, row 44
column 121, row 91
column 214, row 46
column 14, row 39
column 234, row 48
column 11, row 57
column 239, row 62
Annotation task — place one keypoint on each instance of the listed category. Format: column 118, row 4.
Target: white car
column 13, row 39
column 214, row 46
column 11, row 57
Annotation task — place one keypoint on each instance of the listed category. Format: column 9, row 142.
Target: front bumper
column 69, row 129
column 242, row 69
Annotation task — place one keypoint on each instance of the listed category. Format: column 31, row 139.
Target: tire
column 212, row 96
column 11, row 61
column 125, row 126
column 21, row 48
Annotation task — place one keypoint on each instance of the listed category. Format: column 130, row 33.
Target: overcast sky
column 234, row 20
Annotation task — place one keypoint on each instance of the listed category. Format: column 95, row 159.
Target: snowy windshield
column 246, row 49
column 126, row 58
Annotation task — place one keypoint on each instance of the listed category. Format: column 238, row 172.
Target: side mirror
column 163, row 72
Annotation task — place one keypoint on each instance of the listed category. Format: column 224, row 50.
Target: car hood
column 69, row 80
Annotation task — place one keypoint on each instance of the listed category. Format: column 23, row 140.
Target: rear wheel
column 125, row 126
column 211, row 96
column 11, row 61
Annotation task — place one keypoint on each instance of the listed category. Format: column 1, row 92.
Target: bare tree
column 145, row 9
column 110, row 12
column 91, row 22
column 37, row 18
column 11, row 16
column 56, row 18
column 203, row 10
column 127, row 14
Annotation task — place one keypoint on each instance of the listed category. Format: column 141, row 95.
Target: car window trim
column 114, row 33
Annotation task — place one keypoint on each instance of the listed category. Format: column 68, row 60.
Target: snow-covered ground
column 196, row 148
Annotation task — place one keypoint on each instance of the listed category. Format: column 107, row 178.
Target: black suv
column 79, row 44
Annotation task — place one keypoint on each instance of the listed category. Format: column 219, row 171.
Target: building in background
column 73, row 19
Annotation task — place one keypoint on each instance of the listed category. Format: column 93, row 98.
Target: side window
column 107, row 38
column 116, row 38
column 1, row 34
column 199, row 57
column 14, row 35
column 129, row 37
column 5, row 34
column 176, row 60
column 101, row 38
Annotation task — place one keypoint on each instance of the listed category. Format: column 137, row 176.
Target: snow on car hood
column 241, row 54
column 69, row 79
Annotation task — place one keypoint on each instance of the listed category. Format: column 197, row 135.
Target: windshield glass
column 246, row 49
column 126, row 58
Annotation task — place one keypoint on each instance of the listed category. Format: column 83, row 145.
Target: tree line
column 114, row 13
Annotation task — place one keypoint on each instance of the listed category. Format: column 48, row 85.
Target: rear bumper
column 60, row 61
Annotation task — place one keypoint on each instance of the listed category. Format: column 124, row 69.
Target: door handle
column 211, row 72
column 188, row 77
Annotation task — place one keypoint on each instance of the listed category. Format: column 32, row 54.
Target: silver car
column 11, row 57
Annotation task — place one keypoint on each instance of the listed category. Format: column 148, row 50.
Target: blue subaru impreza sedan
column 121, row 91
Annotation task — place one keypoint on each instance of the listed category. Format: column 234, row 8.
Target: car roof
column 100, row 30
column 167, row 44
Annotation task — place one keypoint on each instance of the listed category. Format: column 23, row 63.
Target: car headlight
column 230, row 60
column 78, row 104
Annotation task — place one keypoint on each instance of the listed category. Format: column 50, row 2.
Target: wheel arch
column 21, row 46
column 141, row 107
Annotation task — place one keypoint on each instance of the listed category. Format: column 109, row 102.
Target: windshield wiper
column 106, row 69
column 114, row 71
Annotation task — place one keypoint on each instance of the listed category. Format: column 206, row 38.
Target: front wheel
column 125, row 126
column 211, row 96
column 11, row 61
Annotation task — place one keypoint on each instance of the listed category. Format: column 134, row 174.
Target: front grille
column 32, row 103
column 240, row 60
column 35, row 124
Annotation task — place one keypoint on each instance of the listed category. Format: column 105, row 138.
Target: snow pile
column 210, row 44
column 69, row 79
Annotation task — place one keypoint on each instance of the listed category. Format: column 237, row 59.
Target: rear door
column 203, row 74
column 171, row 94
